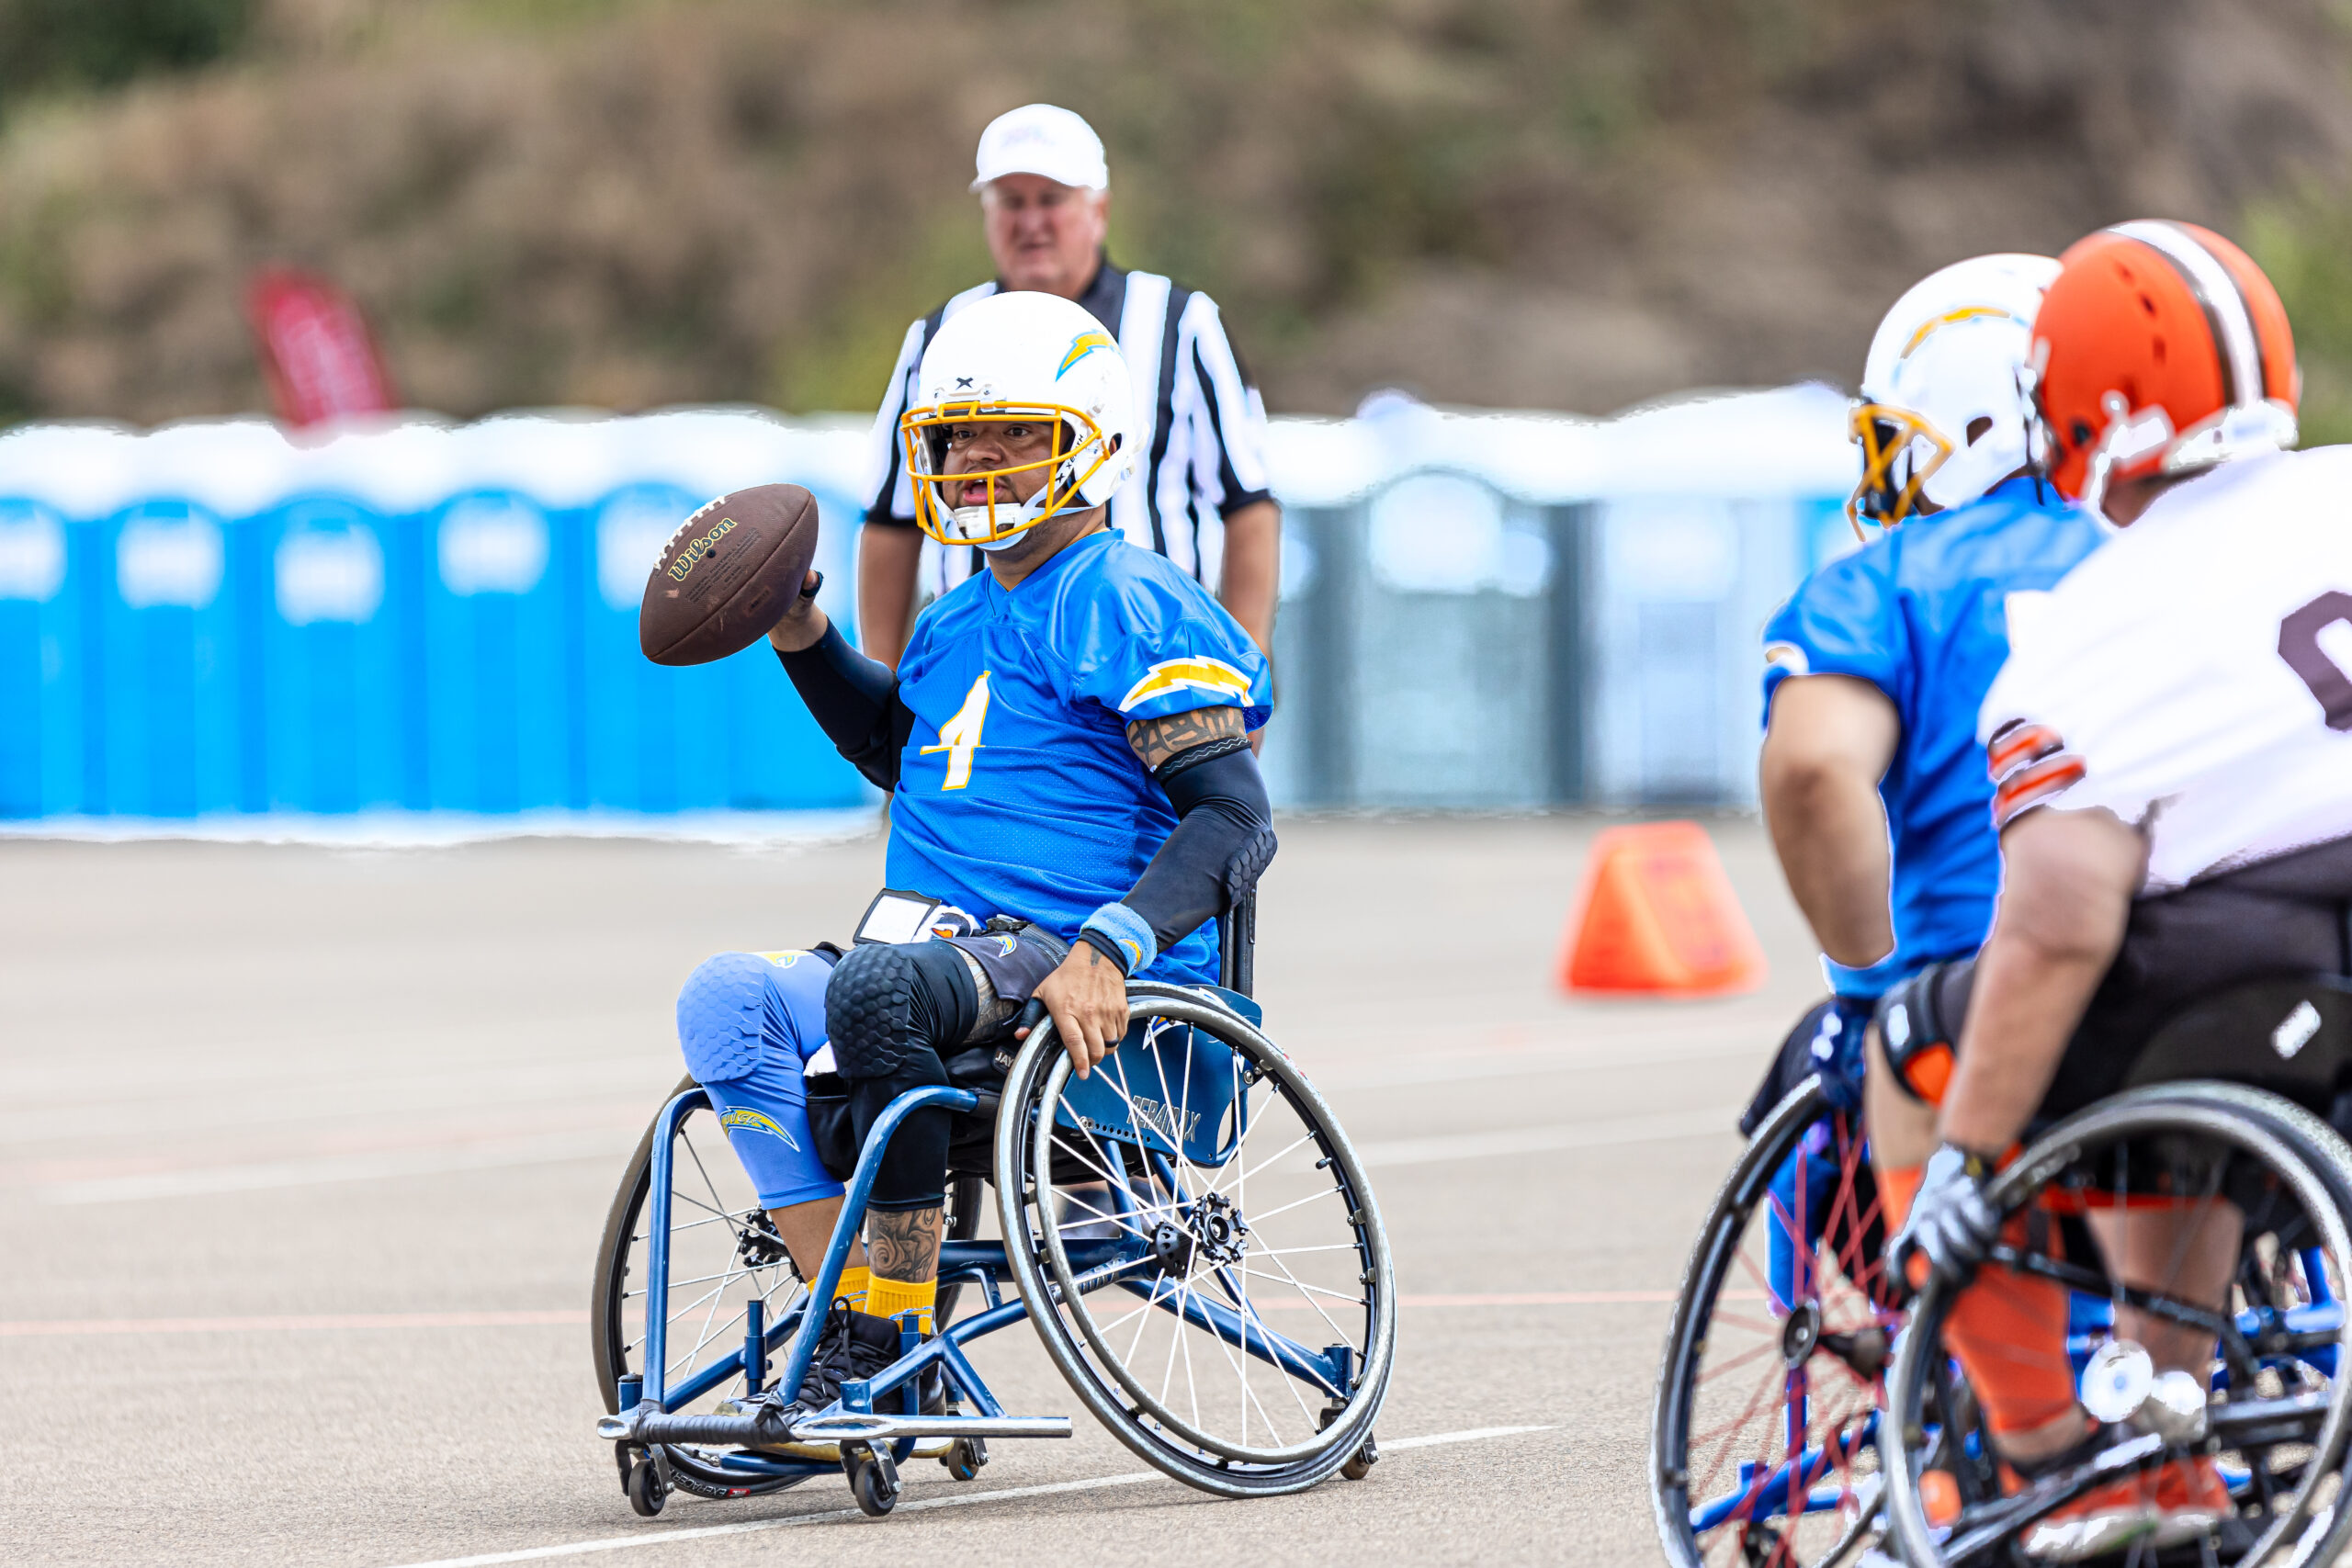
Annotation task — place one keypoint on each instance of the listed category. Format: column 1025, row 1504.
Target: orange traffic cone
column 1658, row 914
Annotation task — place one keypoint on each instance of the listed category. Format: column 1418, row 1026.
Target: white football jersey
column 2194, row 677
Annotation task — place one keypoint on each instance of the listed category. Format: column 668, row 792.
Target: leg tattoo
column 904, row 1244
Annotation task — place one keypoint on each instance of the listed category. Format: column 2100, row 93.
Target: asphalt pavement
column 304, row 1153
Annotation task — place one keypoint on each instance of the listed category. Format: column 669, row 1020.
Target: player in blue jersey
column 1074, row 801
column 1873, row 784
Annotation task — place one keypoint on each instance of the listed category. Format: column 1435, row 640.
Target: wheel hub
column 1218, row 1230
column 757, row 1245
column 1171, row 1248
column 1800, row 1333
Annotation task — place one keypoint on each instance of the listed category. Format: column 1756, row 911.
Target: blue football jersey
column 1018, row 793
column 1923, row 614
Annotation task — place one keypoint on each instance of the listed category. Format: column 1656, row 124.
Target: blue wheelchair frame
column 1762, row 1493
column 863, row 1414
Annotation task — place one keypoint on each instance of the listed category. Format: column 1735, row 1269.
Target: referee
column 1199, row 497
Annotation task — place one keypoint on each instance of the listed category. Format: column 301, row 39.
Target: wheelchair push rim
column 2277, row 1433
column 1770, row 1386
column 1152, row 1276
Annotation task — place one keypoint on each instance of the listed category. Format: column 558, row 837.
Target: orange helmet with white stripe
column 2160, row 349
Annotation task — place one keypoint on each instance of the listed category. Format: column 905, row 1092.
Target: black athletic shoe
column 852, row 1345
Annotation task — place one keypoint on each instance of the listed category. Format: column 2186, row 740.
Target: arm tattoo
column 1157, row 739
column 903, row 1244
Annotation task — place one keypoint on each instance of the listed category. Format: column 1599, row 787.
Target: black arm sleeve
column 855, row 701
column 1224, row 838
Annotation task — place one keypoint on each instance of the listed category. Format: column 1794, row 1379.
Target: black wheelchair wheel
column 724, row 1252
column 2274, row 1423
column 1199, row 1248
column 1764, row 1427
column 617, row 1318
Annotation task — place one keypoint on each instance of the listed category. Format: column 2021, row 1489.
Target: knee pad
column 1918, row 1041
column 720, row 1013
column 885, row 997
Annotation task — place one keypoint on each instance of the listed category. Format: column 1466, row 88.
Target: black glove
column 1951, row 1225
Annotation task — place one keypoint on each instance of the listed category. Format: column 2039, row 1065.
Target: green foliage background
column 1568, row 203
column 102, row 43
column 2306, row 245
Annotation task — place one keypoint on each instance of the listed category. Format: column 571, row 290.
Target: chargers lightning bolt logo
column 751, row 1121
column 1080, row 346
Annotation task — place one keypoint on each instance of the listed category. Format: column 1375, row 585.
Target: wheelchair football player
column 1187, row 1230
column 2108, row 1148
column 1066, row 741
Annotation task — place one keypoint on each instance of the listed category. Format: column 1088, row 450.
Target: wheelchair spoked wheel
column 724, row 1252
column 714, row 1200
column 2179, row 1165
column 1763, row 1437
column 1199, row 1248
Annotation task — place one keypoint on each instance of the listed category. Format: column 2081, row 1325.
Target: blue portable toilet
column 656, row 736
column 180, row 729
column 497, row 656
column 779, row 759
column 332, row 714
column 733, row 734
column 42, row 664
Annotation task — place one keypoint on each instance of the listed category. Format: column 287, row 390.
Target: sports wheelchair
column 1188, row 1231
column 1808, row 1411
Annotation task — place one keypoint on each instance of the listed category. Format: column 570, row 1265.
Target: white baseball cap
column 1039, row 139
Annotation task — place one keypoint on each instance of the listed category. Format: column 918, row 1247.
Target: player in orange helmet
column 2172, row 741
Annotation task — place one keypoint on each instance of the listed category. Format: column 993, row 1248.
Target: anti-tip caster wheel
column 965, row 1456
column 872, row 1479
column 1359, row 1462
column 646, row 1492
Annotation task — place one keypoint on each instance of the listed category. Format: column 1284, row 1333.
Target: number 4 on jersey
column 960, row 735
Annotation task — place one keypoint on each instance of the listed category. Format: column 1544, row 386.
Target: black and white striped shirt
column 1201, row 422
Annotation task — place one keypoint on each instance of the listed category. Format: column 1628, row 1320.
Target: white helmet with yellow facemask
column 1942, row 418
column 1039, row 375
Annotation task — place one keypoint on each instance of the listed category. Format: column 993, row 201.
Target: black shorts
column 2245, row 977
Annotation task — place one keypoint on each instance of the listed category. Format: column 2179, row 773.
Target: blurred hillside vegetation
column 1570, row 204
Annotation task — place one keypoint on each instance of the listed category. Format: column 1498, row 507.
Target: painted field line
column 1632, row 1053
column 1389, row 1152
column 572, row 1318
column 374, row 1166
column 655, row 1535
column 36, row 1328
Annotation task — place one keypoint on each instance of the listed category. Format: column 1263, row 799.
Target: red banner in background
column 316, row 350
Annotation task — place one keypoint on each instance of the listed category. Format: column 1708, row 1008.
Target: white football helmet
column 1019, row 359
column 1947, row 356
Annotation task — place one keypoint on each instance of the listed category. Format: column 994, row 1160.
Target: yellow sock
column 887, row 1297
column 852, row 1288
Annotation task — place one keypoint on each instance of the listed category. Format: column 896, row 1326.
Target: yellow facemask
column 924, row 432
column 1886, row 435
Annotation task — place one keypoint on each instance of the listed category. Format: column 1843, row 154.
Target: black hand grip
column 742, row 1429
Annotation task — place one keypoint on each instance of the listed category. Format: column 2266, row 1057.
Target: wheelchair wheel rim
column 723, row 1253
column 1180, row 1379
column 1772, row 1379
column 2311, row 1514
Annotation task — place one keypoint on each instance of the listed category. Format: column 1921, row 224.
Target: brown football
column 726, row 574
